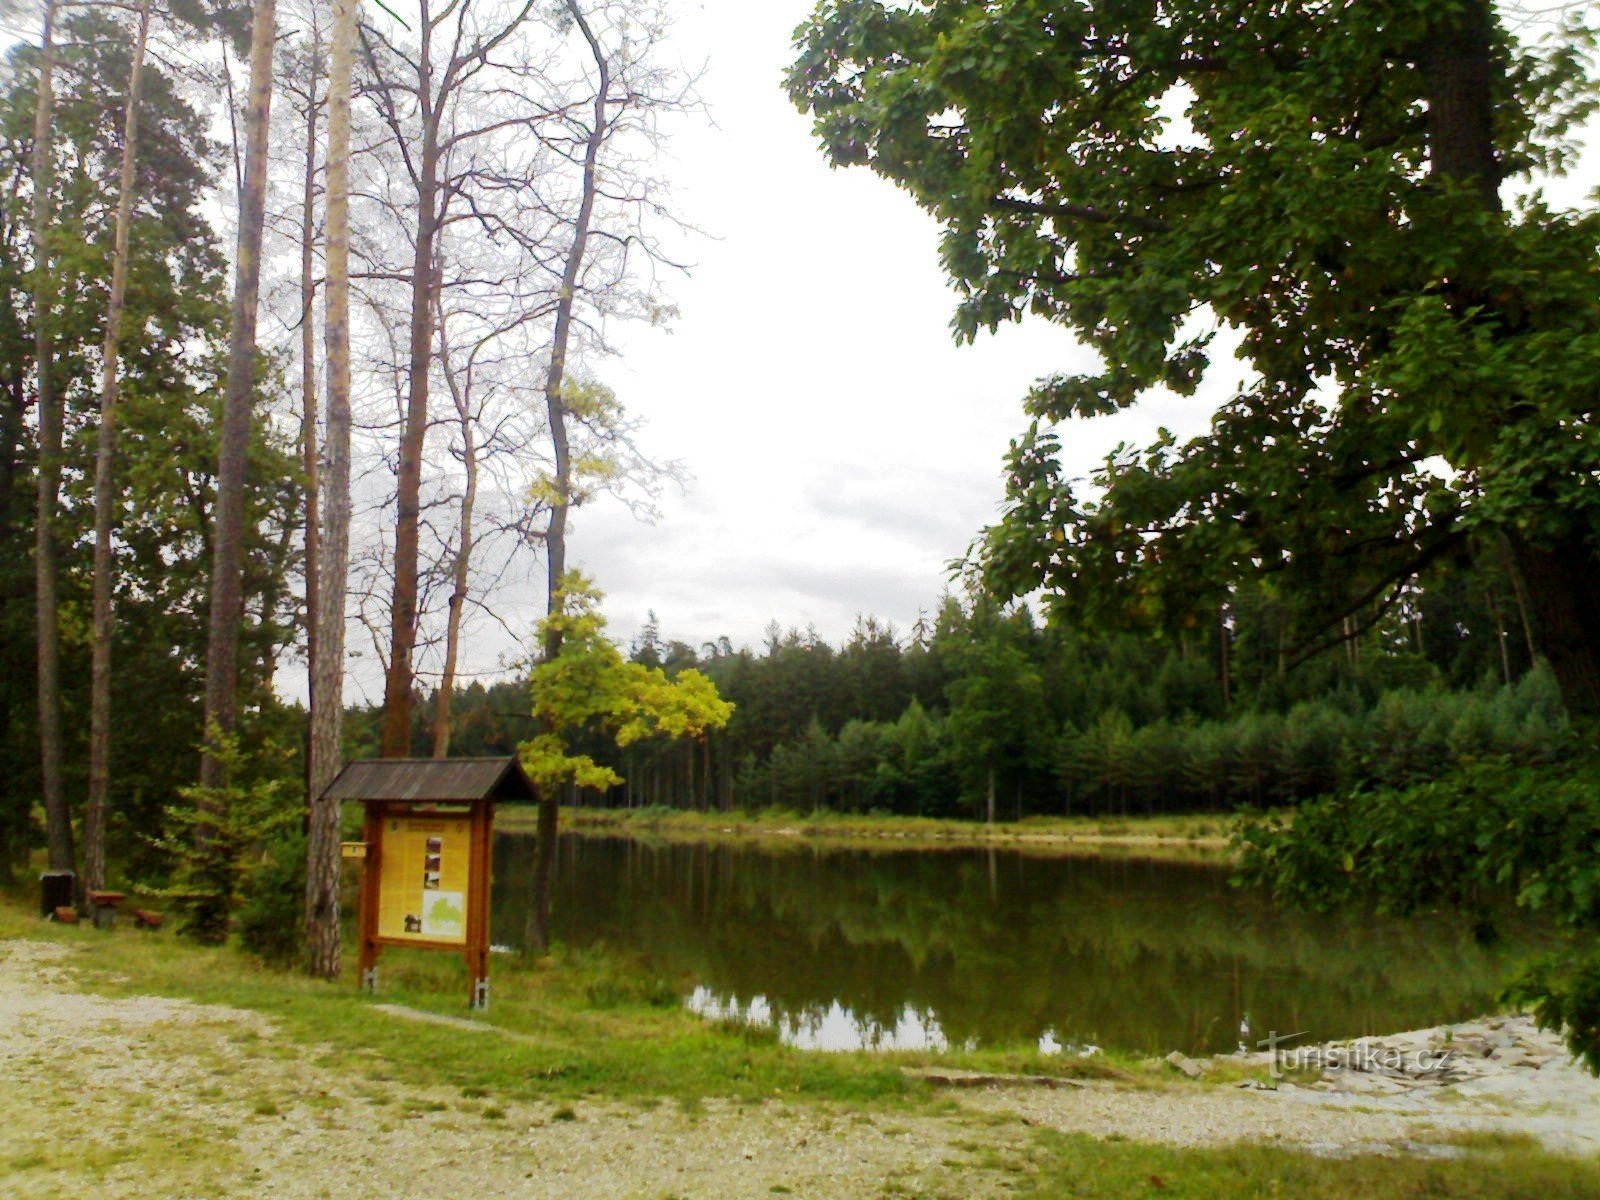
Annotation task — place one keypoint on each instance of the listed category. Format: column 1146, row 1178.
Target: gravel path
column 148, row 1097
column 145, row 1096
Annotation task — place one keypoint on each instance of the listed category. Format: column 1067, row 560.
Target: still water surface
column 902, row 949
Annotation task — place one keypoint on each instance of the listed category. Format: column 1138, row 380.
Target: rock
column 1182, row 1062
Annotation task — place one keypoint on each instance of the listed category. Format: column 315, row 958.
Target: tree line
column 980, row 711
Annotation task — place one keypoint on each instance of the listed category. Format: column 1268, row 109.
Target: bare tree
column 94, row 816
column 327, row 664
column 417, row 91
column 227, row 570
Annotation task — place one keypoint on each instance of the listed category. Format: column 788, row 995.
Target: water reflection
column 933, row 949
column 832, row 1028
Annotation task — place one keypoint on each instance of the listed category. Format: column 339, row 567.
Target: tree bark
column 1563, row 589
column 58, row 818
column 327, row 688
column 94, row 813
column 308, row 370
column 458, row 595
column 227, row 566
column 544, row 867
column 555, row 405
column 15, row 809
column 1559, row 576
column 408, row 499
column 1458, row 66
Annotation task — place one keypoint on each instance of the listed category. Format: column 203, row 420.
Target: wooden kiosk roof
column 450, row 780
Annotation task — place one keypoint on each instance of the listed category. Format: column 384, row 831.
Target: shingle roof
column 445, row 779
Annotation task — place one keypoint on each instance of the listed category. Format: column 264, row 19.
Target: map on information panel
column 423, row 895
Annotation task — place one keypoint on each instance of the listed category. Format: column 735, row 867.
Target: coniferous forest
column 1062, row 721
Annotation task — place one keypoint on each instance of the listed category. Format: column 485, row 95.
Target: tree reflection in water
column 839, row 949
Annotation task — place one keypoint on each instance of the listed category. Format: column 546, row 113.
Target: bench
column 103, row 907
column 145, row 919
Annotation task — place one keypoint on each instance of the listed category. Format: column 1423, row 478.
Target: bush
column 216, row 839
column 1487, row 831
column 271, row 918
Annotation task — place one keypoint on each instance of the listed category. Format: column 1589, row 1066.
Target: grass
column 1480, row 1168
column 1183, row 835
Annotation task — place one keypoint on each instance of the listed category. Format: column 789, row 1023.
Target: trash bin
column 55, row 891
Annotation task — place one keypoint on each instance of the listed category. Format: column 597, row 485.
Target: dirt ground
column 145, row 1096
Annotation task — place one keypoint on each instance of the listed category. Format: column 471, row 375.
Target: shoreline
column 1199, row 837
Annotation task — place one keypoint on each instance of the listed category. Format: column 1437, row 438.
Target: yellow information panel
column 426, row 865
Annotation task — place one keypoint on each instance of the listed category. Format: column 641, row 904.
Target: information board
column 426, row 868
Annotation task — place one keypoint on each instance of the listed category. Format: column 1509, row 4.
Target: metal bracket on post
column 480, row 995
column 369, row 979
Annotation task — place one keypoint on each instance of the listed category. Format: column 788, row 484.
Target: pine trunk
column 308, row 372
column 47, row 599
column 327, row 668
column 227, row 566
column 94, row 813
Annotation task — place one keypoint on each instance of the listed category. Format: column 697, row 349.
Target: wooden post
column 372, row 833
column 478, row 905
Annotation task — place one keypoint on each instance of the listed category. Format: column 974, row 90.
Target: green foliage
column 217, row 840
column 1481, row 833
column 271, row 915
column 589, row 687
column 1190, row 183
column 173, row 361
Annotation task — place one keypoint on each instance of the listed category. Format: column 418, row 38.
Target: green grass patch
column 1498, row 1168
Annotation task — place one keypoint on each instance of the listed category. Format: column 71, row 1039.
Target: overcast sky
column 843, row 448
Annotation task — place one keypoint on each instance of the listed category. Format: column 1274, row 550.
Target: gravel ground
column 146, row 1097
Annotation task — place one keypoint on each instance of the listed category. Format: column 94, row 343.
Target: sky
column 842, row 448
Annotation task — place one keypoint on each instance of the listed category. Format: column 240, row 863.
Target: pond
column 912, row 949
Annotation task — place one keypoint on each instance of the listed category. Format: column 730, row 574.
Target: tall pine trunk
column 555, row 406
column 47, row 598
column 227, row 566
column 308, row 365
column 94, row 813
column 327, row 667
